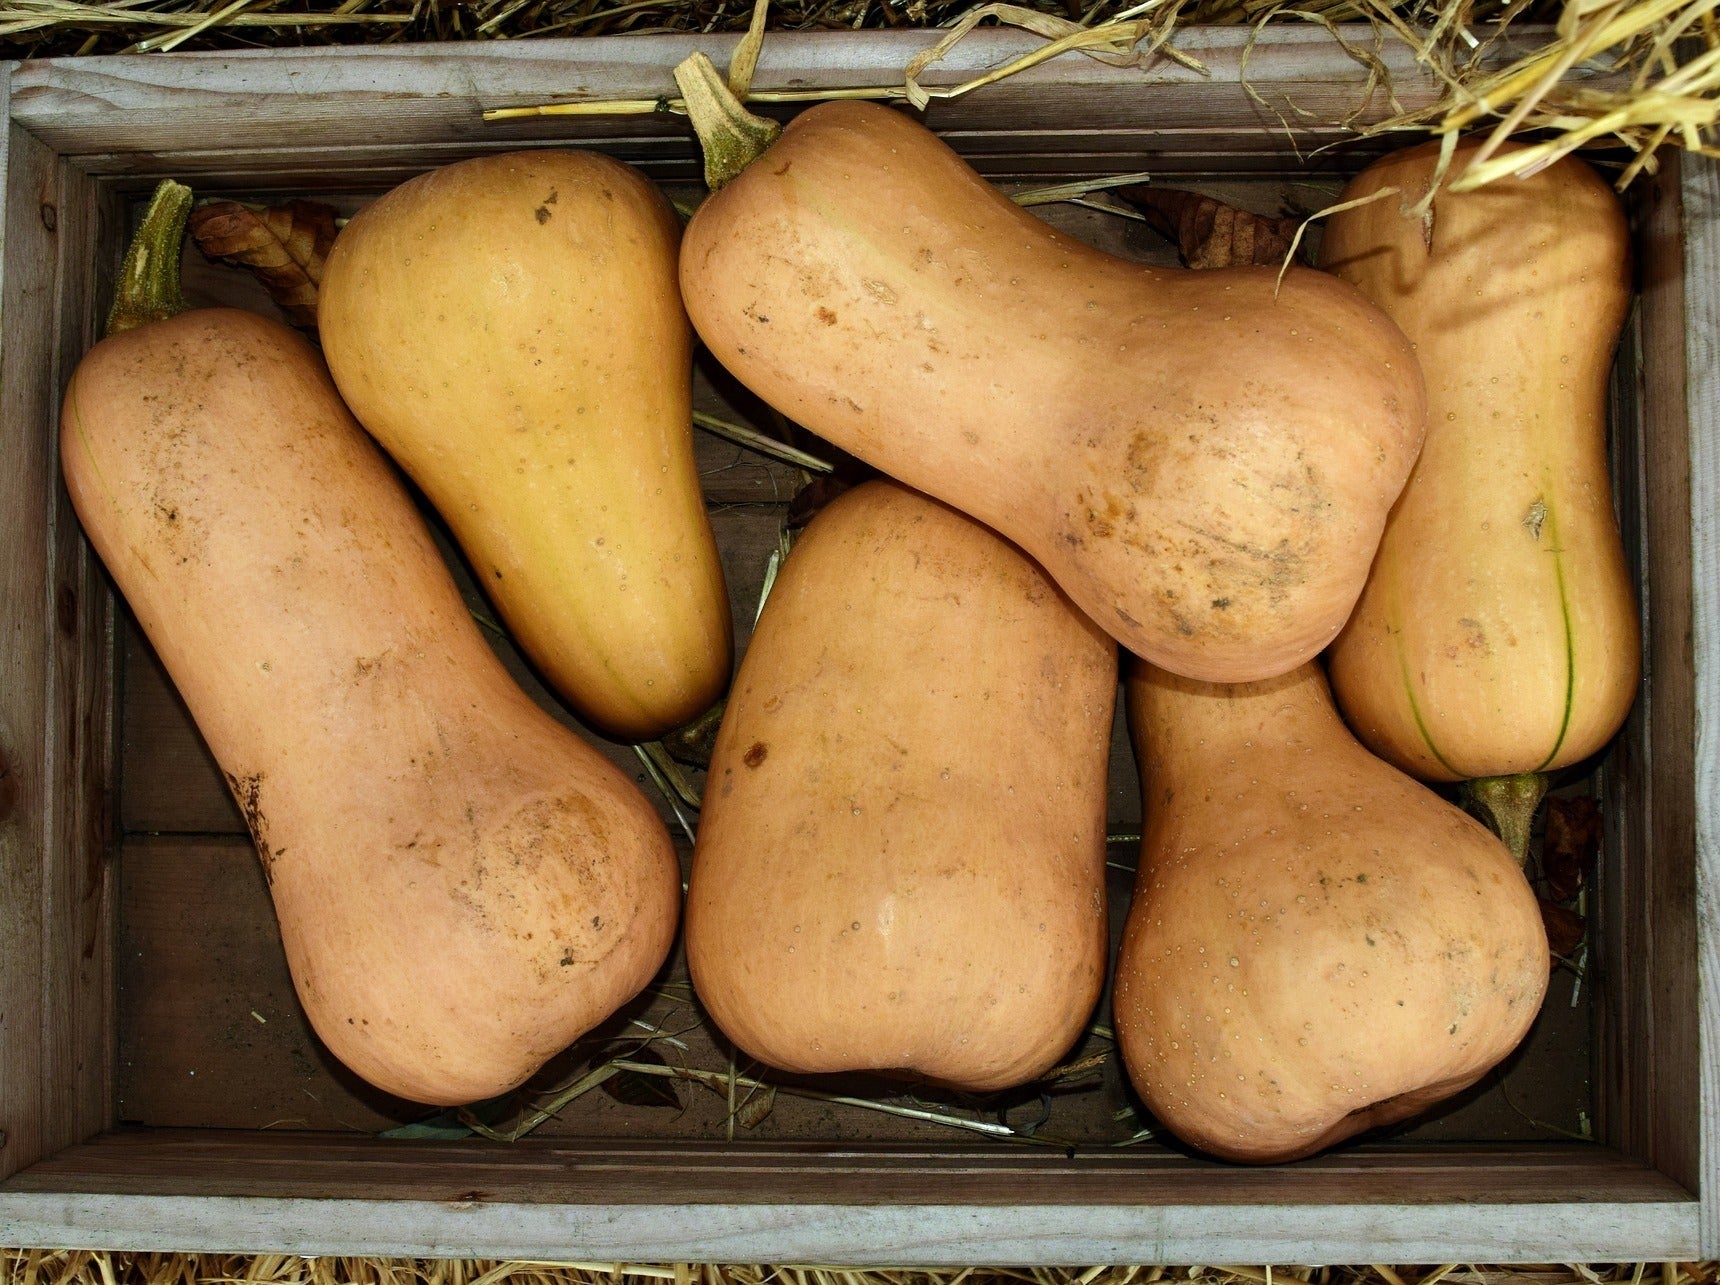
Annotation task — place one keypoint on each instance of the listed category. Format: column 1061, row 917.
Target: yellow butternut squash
column 509, row 328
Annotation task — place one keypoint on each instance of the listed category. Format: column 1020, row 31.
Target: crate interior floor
column 211, row 1036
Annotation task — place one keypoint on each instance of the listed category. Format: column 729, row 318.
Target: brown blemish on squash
column 826, row 316
column 247, row 793
column 756, row 754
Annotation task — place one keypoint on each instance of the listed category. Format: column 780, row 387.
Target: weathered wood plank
column 380, row 166
column 1649, row 1013
column 1700, row 196
column 771, row 1205
column 79, row 907
column 33, row 858
column 212, row 1035
column 436, row 94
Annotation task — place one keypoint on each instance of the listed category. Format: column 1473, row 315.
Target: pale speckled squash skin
column 1498, row 632
column 1204, row 469
column 463, row 885
column 510, row 329
column 900, row 861
column 1317, row 945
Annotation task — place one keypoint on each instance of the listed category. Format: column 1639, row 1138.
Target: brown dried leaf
column 1209, row 233
column 1565, row 928
column 1572, row 842
column 754, row 1111
column 283, row 246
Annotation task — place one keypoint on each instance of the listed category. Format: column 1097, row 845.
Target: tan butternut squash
column 1203, row 464
column 900, row 860
column 1318, row 945
column 510, row 329
column 463, row 885
column 1498, row 631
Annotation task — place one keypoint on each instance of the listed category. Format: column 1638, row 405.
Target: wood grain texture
column 1648, row 1013
column 1700, row 197
column 26, row 362
column 855, row 1205
column 436, row 93
column 55, row 688
column 212, row 1035
column 79, row 907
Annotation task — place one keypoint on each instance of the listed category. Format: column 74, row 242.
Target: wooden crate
column 96, row 758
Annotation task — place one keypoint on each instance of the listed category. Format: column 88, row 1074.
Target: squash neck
column 1189, row 720
column 149, row 285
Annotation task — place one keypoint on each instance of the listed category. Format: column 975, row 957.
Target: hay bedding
column 82, row 1267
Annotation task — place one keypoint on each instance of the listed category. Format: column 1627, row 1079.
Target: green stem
column 1506, row 805
column 149, row 278
column 731, row 136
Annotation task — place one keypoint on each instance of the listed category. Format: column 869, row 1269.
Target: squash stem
column 149, row 278
column 731, row 136
column 1506, row 805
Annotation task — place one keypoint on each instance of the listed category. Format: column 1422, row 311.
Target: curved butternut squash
column 900, row 861
column 1203, row 467
column 463, row 886
column 510, row 329
column 1318, row 945
column 1498, row 631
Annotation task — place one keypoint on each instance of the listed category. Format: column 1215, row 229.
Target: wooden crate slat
column 25, row 787
column 1648, row 1017
column 812, row 1230
column 1700, row 199
column 80, row 905
column 51, row 720
column 432, row 94
column 380, row 167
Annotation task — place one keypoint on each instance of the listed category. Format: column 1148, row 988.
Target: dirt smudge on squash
column 247, row 793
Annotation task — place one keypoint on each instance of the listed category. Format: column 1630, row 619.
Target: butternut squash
column 1498, row 631
column 510, row 329
column 463, row 885
column 1203, row 464
column 900, row 860
column 1317, row 945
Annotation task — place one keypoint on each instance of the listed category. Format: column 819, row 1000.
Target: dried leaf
column 1209, row 233
column 756, row 1109
column 1565, row 928
column 1571, row 845
column 283, row 246
column 639, row 1089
